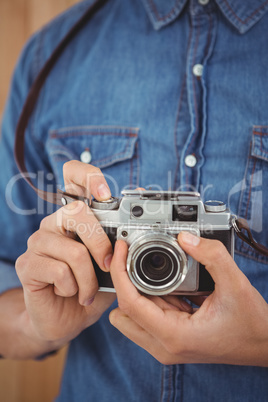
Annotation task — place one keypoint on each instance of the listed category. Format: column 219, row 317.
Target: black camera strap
column 243, row 231
column 60, row 198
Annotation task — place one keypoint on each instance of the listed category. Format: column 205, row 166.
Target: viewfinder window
column 184, row 213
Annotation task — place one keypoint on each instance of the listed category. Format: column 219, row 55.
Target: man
column 158, row 95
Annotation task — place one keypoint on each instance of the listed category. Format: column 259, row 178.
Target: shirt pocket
column 112, row 149
column 253, row 202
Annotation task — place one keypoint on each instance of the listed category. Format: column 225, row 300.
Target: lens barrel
column 156, row 264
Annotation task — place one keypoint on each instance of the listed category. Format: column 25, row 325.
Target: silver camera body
column 149, row 222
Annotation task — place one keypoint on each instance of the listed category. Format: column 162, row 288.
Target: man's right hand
column 59, row 282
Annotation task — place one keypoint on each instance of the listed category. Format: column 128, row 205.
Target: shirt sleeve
column 21, row 211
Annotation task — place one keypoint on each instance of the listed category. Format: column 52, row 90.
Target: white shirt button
column 198, row 70
column 203, row 2
column 190, row 161
column 85, row 157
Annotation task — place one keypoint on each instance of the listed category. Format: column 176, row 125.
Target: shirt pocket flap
column 107, row 145
column 260, row 142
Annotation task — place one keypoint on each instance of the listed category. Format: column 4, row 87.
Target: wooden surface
column 27, row 381
column 31, row 381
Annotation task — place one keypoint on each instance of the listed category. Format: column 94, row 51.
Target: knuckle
column 68, row 166
column 21, row 262
column 125, row 307
column 34, row 240
column 44, row 222
column 61, row 273
column 72, row 216
column 22, row 266
column 79, row 204
column 219, row 250
column 65, row 284
column 96, row 171
column 93, row 173
column 70, row 290
column 79, row 252
column 77, row 207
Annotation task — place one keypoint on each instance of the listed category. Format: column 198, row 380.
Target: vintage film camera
column 149, row 222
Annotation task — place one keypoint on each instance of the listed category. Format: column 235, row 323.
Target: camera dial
column 214, row 206
column 112, row 203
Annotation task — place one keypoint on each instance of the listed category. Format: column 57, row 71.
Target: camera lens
column 156, row 264
column 157, row 261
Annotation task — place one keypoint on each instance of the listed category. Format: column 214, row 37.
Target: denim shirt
column 160, row 94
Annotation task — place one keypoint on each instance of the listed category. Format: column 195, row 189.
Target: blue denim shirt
column 165, row 95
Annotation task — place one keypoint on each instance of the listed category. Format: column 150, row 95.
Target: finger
column 37, row 272
column 139, row 336
column 139, row 308
column 74, row 254
column 170, row 302
column 129, row 299
column 77, row 217
column 80, row 176
column 178, row 303
column 214, row 255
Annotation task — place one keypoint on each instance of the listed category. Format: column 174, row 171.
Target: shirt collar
column 242, row 14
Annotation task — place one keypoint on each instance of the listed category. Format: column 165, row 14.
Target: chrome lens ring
column 168, row 276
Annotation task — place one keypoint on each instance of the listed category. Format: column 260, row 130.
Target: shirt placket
column 203, row 21
column 168, row 383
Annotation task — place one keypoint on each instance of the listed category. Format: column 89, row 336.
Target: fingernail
column 189, row 238
column 104, row 191
column 107, row 261
column 88, row 302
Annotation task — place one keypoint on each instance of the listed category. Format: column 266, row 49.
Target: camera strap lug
column 243, row 231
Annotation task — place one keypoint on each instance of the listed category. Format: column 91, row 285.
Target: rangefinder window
column 184, row 213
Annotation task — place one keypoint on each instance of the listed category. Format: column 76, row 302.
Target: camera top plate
column 162, row 195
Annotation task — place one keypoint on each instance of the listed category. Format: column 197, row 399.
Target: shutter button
column 190, row 161
column 85, row 156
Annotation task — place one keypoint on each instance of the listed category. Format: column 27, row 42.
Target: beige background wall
column 18, row 20
column 25, row 381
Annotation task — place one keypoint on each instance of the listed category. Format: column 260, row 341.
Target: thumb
column 214, row 256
